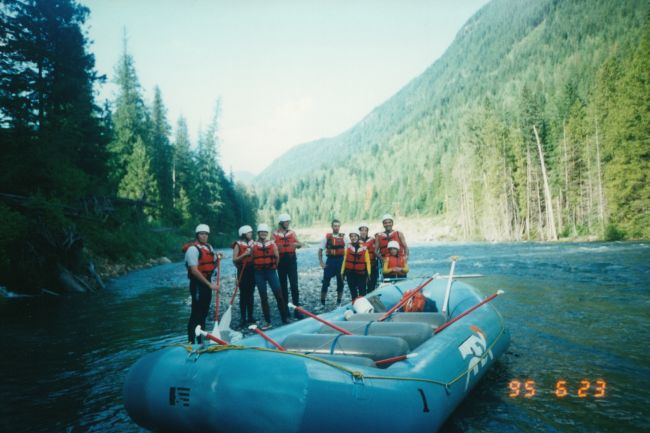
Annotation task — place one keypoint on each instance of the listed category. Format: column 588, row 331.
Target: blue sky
column 287, row 71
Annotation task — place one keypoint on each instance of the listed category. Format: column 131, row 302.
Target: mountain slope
column 458, row 140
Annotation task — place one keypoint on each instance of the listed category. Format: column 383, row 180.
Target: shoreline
column 423, row 230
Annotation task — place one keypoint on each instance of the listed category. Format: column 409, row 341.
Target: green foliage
column 139, row 182
column 162, row 153
column 12, row 230
column 61, row 155
column 458, row 140
column 613, row 233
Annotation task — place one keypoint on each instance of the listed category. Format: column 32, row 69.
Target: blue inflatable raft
column 327, row 381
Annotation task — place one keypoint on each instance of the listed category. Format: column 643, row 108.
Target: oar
column 445, row 304
column 457, row 276
column 313, row 316
column 404, row 300
column 224, row 323
column 395, row 359
column 218, row 290
column 199, row 332
column 460, row 316
column 266, row 337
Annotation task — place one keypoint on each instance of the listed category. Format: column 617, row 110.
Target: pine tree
column 139, row 183
column 182, row 165
column 130, row 117
column 162, row 152
column 47, row 110
column 206, row 194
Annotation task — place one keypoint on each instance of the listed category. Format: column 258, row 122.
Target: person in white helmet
column 390, row 235
column 356, row 265
column 201, row 261
column 287, row 242
column 371, row 244
column 395, row 263
column 265, row 262
column 242, row 257
column 333, row 245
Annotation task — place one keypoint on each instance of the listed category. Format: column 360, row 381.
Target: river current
column 576, row 312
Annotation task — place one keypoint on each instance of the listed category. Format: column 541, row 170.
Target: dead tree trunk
column 547, row 191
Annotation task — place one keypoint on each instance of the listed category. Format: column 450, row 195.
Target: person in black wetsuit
column 201, row 261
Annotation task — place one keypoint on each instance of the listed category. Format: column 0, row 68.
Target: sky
column 286, row 71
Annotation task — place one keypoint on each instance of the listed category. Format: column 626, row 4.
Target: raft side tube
column 373, row 347
column 414, row 333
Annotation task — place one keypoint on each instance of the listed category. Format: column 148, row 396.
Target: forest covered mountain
column 534, row 124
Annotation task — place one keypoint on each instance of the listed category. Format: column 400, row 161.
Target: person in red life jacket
column 265, row 261
column 356, row 266
column 201, row 261
column 242, row 257
column 390, row 235
column 334, row 247
column 395, row 264
column 287, row 243
column 371, row 245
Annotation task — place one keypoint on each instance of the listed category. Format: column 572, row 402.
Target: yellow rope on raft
column 354, row 373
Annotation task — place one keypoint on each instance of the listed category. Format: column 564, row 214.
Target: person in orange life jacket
column 265, row 262
column 356, row 265
column 242, row 257
column 371, row 244
column 395, row 264
column 390, row 235
column 333, row 245
column 287, row 243
column 200, row 260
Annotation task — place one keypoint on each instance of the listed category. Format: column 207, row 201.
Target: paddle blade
column 224, row 323
column 216, row 331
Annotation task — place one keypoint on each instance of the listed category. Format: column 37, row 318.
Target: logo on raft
column 475, row 347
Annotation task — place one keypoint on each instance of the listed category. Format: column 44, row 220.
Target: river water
column 577, row 311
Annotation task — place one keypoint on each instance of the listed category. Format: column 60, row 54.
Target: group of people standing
column 270, row 260
column 360, row 259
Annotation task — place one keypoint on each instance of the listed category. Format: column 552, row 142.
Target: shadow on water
column 575, row 311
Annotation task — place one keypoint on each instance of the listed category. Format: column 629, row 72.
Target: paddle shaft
column 391, row 360
column 445, row 303
column 486, row 300
column 218, row 291
column 323, row 321
column 401, row 303
column 269, row 339
column 241, row 273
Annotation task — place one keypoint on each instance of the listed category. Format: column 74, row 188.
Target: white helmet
column 353, row 232
column 284, row 217
column 245, row 229
column 263, row 228
column 202, row 228
column 393, row 244
column 387, row 217
column 364, row 224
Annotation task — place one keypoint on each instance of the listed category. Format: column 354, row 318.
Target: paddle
column 313, row 316
column 266, row 337
column 395, row 359
column 199, row 332
column 404, row 300
column 445, row 304
column 224, row 324
column 218, row 292
column 460, row 316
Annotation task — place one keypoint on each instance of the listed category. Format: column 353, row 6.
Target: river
column 576, row 311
